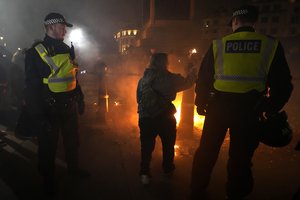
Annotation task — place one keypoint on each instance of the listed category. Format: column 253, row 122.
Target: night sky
column 21, row 21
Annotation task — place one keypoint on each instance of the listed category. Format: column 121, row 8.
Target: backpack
column 151, row 101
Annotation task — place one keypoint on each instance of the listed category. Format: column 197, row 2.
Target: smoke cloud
column 22, row 20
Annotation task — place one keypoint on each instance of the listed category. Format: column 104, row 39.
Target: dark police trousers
column 63, row 119
column 163, row 125
column 235, row 112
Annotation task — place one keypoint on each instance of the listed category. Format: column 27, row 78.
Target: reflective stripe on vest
column 242, row 61
column 63, row 72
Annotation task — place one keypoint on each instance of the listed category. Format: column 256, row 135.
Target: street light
column 77, row 37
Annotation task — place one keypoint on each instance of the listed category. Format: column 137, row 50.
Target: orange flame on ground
column 198, row 119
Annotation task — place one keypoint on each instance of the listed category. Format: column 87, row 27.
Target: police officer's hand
column 81, row 107
column 201, row 110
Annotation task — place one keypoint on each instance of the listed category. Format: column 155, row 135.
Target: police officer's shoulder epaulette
column 36, row 42
column 64, row 47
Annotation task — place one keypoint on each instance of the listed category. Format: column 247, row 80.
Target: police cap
column 247, row 12
column 54, row 18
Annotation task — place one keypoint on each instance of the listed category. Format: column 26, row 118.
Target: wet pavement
column 110, row 152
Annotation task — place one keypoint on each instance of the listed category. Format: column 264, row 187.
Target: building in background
column 126, row 38
column 174, row 27
column 278, row 18
column 170, row 26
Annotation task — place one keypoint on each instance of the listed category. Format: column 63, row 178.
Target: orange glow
column 176, row 148
column 198, row 119
column 177, row 104
column 106, row 101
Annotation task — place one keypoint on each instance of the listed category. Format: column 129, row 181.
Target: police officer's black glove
column 266, row 106
column 201, row 110
column 81, row 107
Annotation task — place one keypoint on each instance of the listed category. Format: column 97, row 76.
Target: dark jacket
column 279, row 79
column 166, row 84
column 36, row 92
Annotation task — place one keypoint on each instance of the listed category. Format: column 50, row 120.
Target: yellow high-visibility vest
column 242, row 61
column 63, row 72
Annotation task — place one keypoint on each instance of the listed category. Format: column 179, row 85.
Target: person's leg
column 243, row 143
column 206, row 155
column 167, row 133
column 47, row 145
column 147, row 139
column 70, row 133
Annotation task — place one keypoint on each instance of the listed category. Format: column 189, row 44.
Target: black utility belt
column 51, row 101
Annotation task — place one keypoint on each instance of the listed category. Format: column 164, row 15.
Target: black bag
column 151, row 101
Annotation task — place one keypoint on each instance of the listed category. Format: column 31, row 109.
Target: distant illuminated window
column 129, row 32
column 123, row 48
column 135, row 32
column 124, row 33
column 118, row 34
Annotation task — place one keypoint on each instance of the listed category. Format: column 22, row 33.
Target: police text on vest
column 243, row 46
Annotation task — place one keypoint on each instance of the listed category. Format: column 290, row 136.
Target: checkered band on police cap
column 240, row 12
column 55, row 18
column 247, row 11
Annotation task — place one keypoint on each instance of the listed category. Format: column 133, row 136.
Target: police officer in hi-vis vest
column 54, row 98
column 235, row 73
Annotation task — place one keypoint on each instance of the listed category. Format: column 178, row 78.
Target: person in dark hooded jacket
column 155, row 92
